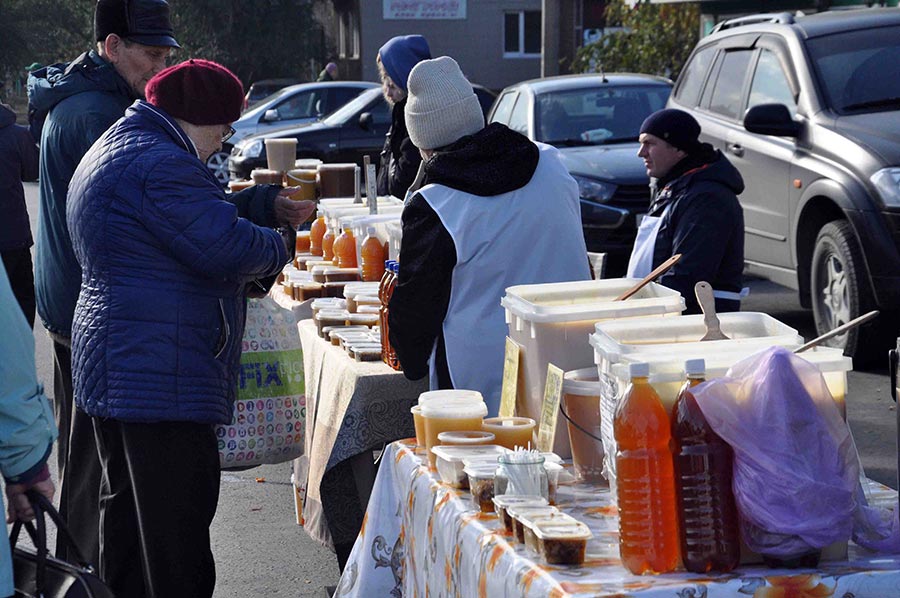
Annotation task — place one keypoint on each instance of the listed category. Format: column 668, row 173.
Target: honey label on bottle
column 550, row 408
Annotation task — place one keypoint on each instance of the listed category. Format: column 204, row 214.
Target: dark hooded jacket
column 69, row 107
column 705, row 224
column 494, row 161
column 400, row 159
column 18, row 162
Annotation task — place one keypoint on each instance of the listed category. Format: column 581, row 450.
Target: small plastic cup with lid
column 520, row 513
column 511, row 431
column 503, row 502
column 481, row 485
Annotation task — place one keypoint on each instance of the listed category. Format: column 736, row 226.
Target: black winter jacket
column 493, row 161
column 705, row 224
column 18, row 162
column 400, row 159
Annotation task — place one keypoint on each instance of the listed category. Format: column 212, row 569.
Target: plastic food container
column 451, row 461
column 318, row 272
column 581, row 400
column 552, row 323
column 505, row 501
column 481, row 485
column 454, row 410
column 465, row 438
column 367, row 353
column 362, row 319
column 553, row 470
column 519, row 513
column 330, row 317
column 307, row 290
column 342, row 275
column 330, row 303
column 562, row 543
column 530, row 522
column 511, row 431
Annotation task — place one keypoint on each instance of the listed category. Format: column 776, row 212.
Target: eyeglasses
column 228, row 134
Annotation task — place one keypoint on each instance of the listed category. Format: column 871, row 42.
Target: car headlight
column 252, row 149
column 887, row 181
column 592, row 190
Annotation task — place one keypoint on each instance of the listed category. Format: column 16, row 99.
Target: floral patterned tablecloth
column 422, row 538
column 351, row 408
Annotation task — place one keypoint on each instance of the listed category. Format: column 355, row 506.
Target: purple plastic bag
column 796, row 469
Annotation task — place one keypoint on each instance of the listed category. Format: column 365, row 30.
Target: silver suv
column 808, row 109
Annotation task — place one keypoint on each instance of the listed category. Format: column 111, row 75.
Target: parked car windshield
column 595, row 116
column 854, row 69
column 261, row 106
column 340, row 116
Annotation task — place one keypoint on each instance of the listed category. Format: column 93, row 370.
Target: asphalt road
column 260, row 551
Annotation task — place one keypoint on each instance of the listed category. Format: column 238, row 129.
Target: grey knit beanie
column 441, row 106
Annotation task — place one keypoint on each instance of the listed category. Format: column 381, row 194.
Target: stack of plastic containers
column 552, row 322
column 666, row 343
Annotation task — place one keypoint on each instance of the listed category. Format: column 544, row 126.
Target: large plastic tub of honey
column 552, row 322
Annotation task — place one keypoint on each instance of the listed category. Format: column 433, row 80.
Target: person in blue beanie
column 400, row 159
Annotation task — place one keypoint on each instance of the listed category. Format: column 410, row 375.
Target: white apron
column 640, row 264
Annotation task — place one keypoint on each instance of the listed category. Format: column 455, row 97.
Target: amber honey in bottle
column 648, row 521
column 316, row 232
column 708, row 521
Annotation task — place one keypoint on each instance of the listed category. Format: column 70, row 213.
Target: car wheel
column 218, row 164
column 841, row 292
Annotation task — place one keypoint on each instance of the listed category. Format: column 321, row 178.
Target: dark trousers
column 158, row 498
column 20, row 271
column 78, row 462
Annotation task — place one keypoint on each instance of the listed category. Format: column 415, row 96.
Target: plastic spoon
column 659, row 271
column 837, row 331
column 707, row 302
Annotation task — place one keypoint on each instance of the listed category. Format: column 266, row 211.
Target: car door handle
column 735, row 148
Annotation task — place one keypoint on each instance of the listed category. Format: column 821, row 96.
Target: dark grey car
column 808, row 109
column 594, row 120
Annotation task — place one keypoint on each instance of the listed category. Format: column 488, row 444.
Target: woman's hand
column 18, row 506
column 289, row 211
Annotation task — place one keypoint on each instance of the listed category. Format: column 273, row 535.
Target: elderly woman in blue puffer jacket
column 156, row 339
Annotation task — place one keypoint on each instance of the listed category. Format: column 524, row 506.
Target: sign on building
column 424, row 9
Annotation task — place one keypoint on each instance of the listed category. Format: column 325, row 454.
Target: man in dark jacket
column 694, row 212
column 156, row 338
column 18, row 162
column 70, row 106
column 496, row 210
column 400, row 159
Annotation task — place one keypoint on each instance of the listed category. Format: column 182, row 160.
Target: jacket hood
column 494, row 160
column 400, row 54
column 707, row 166
column 52, row 84
column 7, row 117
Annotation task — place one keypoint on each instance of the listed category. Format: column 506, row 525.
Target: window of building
column 348, row 35
column 522, row 33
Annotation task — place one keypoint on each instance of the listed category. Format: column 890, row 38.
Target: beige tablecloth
column 352, row 408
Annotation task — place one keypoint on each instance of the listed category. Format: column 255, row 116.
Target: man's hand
column 18, row 507
column 289, row 211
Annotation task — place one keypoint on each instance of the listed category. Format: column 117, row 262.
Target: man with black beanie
column 69, row 106
column 694, row 212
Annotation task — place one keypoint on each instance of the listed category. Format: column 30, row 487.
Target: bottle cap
column 639, row 370
column 370, row 231
column 694, row 367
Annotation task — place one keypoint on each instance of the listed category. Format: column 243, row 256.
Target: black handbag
column 40, row 574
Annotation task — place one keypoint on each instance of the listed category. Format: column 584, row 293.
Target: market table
column 423, row 538
column 352, row 408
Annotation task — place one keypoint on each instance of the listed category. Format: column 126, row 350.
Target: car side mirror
column 365, row 121
column 771, row 119
column 271, row 115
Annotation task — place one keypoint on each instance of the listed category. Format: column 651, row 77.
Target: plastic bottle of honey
column 392, row 359
column 383, row 311
column 648, row 521
column 372, row 256
column 316, row 232
column 328, row 244
column 345, row 249
column 708, row 521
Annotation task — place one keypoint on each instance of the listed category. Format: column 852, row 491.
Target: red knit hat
column 199, row 91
